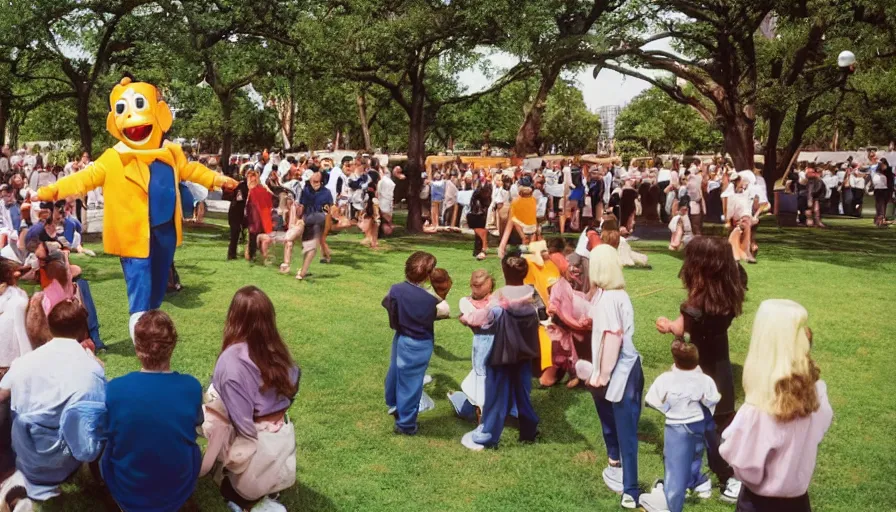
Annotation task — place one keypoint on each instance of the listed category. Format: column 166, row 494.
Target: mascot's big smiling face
column 139, row 118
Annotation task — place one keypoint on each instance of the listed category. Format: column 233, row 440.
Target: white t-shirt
column 499, row 196
column 552, row 183
column 679, row 393
column 48, row 377
column 612, row 312
column 13, row 337
column 664, row 175
column 336, row 174
column 582, row 245
column 879, row 181
column 385, row 192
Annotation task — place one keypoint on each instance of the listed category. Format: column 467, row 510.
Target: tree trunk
column 362, row 116
column 770, row 169
column 416, row 158
column 226, row 100
column 738, row 133
column 84, row 129
column 4, row 118
column 528, row 138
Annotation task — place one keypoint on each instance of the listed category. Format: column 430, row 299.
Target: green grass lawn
column 348, row 457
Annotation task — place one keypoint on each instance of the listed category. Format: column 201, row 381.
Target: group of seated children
column 592, row 340
column 138, row 432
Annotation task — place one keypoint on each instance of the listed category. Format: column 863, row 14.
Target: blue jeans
column 404, row 380
column 619, row 422
column 506, row 386
column 683, row 453
column 93, row 322
column 147, row 278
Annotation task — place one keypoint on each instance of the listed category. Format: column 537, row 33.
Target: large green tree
column 569, row 127
column 412, row 49
column 66, row 46
column 659, row 124
column 554, row 36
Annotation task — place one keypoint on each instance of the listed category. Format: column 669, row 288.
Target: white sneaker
column 731, row 491
column 233, row 507
column 613, row 479
column 427, row 379
column 426, row 404
column 655, row 501
column 702, row 491
column 467, row 442
column 628, row 502
column 24, row 505
column 392, row 411
column 268, row 505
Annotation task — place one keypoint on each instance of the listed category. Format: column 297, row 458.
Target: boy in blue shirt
column 412, row 314
column 152, row 461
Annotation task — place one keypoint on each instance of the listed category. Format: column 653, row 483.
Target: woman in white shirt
column 615, row 374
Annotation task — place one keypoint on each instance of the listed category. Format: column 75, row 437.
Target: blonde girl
column 772, row 444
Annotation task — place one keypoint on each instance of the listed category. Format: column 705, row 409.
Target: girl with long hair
column 256, row 379
column 772, row 444
column 715, row 297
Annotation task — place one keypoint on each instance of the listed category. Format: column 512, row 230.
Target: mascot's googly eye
column 140, row 102
column 120, row 107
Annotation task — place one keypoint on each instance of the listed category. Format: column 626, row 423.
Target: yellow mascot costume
column 140, row 177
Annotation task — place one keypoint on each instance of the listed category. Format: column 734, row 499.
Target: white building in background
column 608, row 114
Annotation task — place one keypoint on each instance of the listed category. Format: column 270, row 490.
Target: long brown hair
column 251, row 319
column 712, row 277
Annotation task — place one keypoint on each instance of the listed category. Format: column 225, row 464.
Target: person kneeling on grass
column 249, row 432
column 687, row 397
column 508, row 377
column 58, row 394
column 151, row 461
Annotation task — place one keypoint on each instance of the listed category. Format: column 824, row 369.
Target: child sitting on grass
column 470, row 401
column 681, row 394
column 508, row 373
column 412, row 314
column 151, row 461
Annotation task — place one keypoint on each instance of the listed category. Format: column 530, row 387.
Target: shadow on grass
column 844, row 244
column 441, row 353
column 189, row 297
column 123, row 347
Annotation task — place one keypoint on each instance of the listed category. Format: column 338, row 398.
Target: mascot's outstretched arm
column 94, row 176
column 140, row 176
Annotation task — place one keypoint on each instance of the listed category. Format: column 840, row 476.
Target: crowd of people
column 138, row 432
column 841, row 188
column 563, row 312
column 763, row 455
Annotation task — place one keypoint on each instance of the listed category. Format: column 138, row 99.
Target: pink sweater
column 775, row 459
